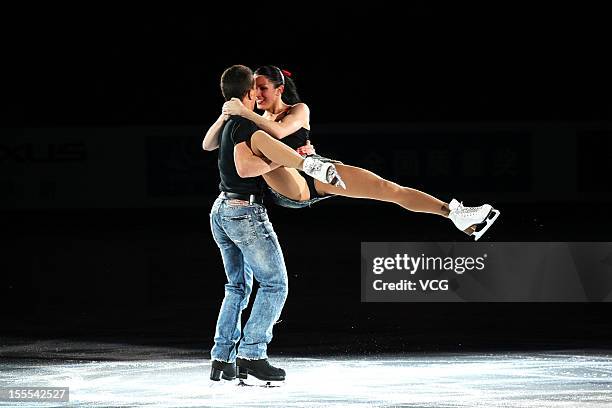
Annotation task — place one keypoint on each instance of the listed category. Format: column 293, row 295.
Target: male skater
column 248, row 244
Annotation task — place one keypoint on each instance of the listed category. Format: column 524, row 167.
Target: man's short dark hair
column 236, row 82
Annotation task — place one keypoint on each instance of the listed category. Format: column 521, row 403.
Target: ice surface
column 537, row 379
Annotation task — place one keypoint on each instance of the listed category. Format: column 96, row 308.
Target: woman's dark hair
column 276, row 76
column 236, row 82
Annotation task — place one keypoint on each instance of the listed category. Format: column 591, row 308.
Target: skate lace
column 312, row 166
column 466, row 211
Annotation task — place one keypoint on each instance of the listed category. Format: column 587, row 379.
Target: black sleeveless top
column 297, row 138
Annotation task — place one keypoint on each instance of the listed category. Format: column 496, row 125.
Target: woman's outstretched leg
column 361, row 183
column 365, row 184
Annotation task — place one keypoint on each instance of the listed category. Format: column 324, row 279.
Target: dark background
column 151, row 273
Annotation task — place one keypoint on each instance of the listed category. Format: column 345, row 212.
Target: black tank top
column 297, row 138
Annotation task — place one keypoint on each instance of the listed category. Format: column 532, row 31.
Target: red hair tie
column 286, row 73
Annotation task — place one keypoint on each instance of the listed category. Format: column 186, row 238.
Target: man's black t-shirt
column 236, row 130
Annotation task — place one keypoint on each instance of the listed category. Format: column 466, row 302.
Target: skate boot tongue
column 454, row 204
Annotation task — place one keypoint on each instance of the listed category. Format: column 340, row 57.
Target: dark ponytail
column 278, row 78
column 290, row 96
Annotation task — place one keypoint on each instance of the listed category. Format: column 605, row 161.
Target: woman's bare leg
column 361, row 183
column 288, row 182
column 285, row 180
column 264, row 145
column 365, row 183
column 269, row 148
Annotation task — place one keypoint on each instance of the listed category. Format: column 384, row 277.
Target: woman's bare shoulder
column 301, row 106
column 301, row 112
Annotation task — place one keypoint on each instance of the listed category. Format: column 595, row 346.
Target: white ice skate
column 465, row 218
column 322, row 171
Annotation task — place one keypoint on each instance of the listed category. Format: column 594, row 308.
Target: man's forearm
column 211, row 140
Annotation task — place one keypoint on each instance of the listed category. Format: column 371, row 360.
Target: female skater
column 288, row 120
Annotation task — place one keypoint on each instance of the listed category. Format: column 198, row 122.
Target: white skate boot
column 466, row 217
column 322, row 171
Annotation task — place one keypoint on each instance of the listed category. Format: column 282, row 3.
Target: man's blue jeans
column 250, row 249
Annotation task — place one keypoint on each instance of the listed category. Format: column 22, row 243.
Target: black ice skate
column 221, row 369
column 260, row 369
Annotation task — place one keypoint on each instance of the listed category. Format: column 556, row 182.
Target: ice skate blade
column 247, row 378
column 337, row 182
column 254, row 382
column 493, row 214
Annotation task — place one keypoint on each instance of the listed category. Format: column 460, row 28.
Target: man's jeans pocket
column 240, row 228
